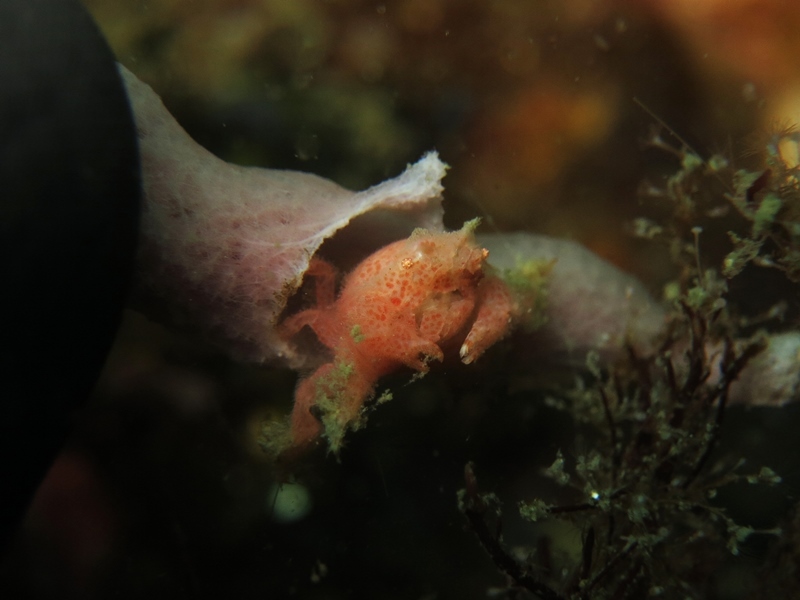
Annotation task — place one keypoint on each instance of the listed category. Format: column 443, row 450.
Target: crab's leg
column 329, row 402
column 324, row 274
column 295, row 323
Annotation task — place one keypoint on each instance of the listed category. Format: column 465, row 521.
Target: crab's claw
column 495, row 316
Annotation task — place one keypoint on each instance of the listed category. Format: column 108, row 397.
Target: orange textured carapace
column 395, row 309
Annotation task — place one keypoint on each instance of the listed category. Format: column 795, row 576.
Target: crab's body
column 397, row 308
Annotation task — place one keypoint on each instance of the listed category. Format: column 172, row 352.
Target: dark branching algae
column 644, row 499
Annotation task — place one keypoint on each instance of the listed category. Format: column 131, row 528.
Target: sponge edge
column 223, row 247
column 420, row 182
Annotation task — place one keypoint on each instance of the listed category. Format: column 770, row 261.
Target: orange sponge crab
column 396, row 308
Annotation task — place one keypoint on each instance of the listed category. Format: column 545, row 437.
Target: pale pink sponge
column 397, row 308
column 223, row 247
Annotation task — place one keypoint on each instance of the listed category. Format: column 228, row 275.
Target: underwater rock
column 69, row 200
column 223, row 247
